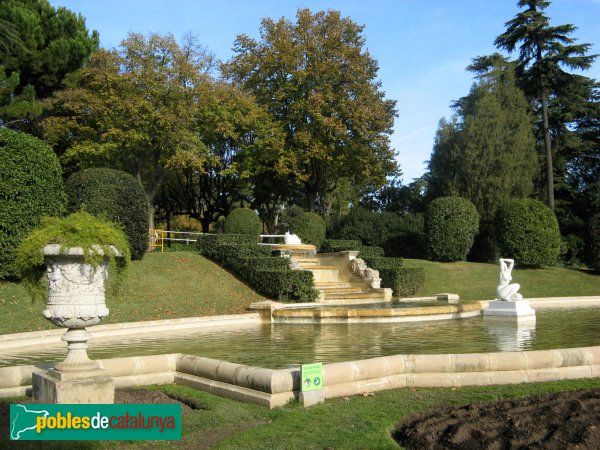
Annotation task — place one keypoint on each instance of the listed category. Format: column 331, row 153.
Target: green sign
column 65, row 422
column 312, row 377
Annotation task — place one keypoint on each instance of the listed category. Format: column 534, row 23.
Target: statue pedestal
column 502, row 308
column 86, row 386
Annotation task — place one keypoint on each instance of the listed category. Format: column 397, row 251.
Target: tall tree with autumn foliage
column 134, row 109
column 319, row 84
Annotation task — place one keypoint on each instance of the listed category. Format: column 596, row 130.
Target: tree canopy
column 40, row 46
column 486, row 153
column 320, row 86
column 543, row 52
column 134, row 109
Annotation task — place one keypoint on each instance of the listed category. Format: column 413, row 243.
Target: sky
column 422, row 46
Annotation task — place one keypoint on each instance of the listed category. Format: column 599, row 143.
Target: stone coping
column 114, row 330
column 273, row 388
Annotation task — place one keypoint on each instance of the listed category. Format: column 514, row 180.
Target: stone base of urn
column 502, row 308
column 89, row 386
column 77, row 379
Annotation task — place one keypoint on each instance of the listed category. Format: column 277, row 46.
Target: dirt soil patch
column 566, row 420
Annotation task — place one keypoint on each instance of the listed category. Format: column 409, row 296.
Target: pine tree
column 486, row 153
column 543, row 52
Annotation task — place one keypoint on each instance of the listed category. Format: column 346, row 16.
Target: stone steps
column 333, row 286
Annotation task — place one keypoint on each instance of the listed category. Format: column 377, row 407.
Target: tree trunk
column 548, row 148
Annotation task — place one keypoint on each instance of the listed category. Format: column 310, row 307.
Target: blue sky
column 422, row 46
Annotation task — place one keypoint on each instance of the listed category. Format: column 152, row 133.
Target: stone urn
column 76, row 300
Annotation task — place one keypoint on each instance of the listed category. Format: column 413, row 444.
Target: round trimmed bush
column 242, row 221
column 31, row 186
column 309, row 227
column 593, row 242
column 528, row 232
column 450, row 226
column 116, row 196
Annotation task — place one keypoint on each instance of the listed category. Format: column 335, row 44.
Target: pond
column 281, row 345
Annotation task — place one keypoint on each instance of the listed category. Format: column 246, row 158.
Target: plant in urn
column 67, row 261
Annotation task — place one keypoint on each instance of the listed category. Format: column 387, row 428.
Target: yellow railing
column 156, row 239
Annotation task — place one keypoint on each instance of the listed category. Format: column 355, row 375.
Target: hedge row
column 403, row 282
column 254, row 264
column 340, row 245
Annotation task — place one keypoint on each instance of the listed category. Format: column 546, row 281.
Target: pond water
column 280, row 345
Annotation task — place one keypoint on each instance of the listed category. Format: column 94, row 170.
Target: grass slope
column 477, row 281
column 161, row 286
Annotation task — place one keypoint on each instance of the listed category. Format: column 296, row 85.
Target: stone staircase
column 337, row 283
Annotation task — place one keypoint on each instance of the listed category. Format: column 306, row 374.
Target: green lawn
column 185, row 284
column 341, row 423
column 161, row 286
column 477, row 281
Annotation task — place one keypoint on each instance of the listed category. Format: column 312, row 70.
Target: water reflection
column 512, row 334
column 279, row 345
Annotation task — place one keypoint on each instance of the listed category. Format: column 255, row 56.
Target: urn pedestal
column 75, row 300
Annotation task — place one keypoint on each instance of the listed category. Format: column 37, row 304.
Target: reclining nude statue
column 506, row 291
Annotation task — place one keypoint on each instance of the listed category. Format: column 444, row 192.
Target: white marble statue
column 292, row 239
column 505, row 290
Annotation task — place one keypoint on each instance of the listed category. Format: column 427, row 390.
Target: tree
column 320, row 86
column 543, row 51
column 134, row 109
column 40, row 46
column 487, row 152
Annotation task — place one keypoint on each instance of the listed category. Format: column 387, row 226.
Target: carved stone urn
column 76, row 300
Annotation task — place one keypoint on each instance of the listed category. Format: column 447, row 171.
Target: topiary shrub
column 450, row 226
column 407, row 238
column 403, row 282
column 360, row 224
column 115, row 195
column 31, row 186
column 242, row 221
column 528, row 232
column 339, row 245
column 593, row 242
column 309, row 227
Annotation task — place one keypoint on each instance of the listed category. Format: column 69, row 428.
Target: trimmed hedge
column 450, row 225
column 368, row 252
column 269, row 275
column 31, row 186
column 242, row 221
column 528, row 232
column 115, row 195
column 593, row 242
column 339, row 245
column 208, row 243
column 403, row 282
column 309, row 227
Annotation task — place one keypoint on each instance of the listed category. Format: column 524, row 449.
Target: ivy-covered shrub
column 310, row 227
column 450, row 226
column 528, row 232
column 116, row 196
column 242, row 221
column 403, row 282
column 31, row 186
column 593, row 242
column 268, row 275
column 79, row 229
